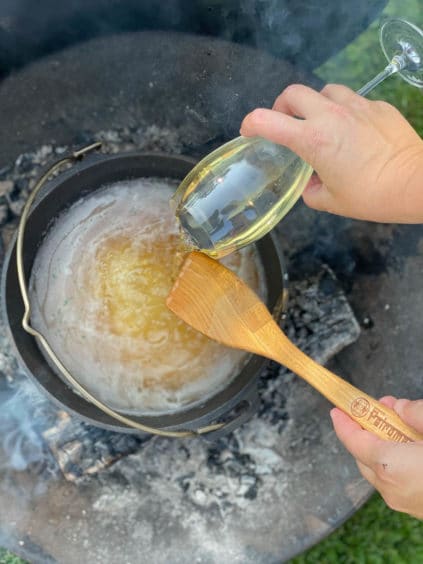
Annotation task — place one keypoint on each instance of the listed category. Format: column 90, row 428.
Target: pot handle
column 244, row 410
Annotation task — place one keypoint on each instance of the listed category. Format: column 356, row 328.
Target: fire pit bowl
column 239, row 398
column 282, row 482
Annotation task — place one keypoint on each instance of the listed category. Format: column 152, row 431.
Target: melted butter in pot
column 98, row 290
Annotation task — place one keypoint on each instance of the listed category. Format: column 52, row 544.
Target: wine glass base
column 399, row 37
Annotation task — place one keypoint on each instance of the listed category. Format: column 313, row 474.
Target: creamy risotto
column 98, row 290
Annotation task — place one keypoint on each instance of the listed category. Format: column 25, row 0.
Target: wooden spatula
column 213, row 300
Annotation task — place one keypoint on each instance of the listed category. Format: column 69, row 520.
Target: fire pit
column 72, row 492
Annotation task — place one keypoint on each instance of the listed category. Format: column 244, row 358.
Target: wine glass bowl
column 238, row 193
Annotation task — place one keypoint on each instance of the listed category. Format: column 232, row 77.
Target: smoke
column 305, row 32
column 23, row 411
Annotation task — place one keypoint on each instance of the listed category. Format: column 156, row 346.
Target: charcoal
column 81, row 449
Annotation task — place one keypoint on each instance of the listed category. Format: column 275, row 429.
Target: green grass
column 375, row 534
column 7, row 557
column 363, row 59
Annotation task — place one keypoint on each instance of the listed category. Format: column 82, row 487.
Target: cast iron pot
column 233, row 404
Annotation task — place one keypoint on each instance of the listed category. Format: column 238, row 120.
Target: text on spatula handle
column 361, row 407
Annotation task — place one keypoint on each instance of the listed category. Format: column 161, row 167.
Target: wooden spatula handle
column 368, row 412
column 212, row 299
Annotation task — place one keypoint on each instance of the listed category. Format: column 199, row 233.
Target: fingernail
column 400, row 404
column 332, row 412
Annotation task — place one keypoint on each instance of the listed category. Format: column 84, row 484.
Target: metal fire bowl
column 83, row 178
column 201, row 88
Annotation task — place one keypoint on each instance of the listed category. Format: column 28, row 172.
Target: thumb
column 411, row 412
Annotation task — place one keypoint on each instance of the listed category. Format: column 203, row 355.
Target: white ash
column 17, row 179
column 200, row 484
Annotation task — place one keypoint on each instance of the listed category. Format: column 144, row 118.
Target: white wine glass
column 240, row 191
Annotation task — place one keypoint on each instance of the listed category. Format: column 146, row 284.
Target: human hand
column 394, row 469
column 368, row 158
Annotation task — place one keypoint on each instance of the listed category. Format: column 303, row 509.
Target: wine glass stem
column 398, row 63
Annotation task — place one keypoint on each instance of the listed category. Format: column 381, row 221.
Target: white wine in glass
column 240, row 191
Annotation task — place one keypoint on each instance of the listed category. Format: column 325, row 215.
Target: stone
column 4, row 213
